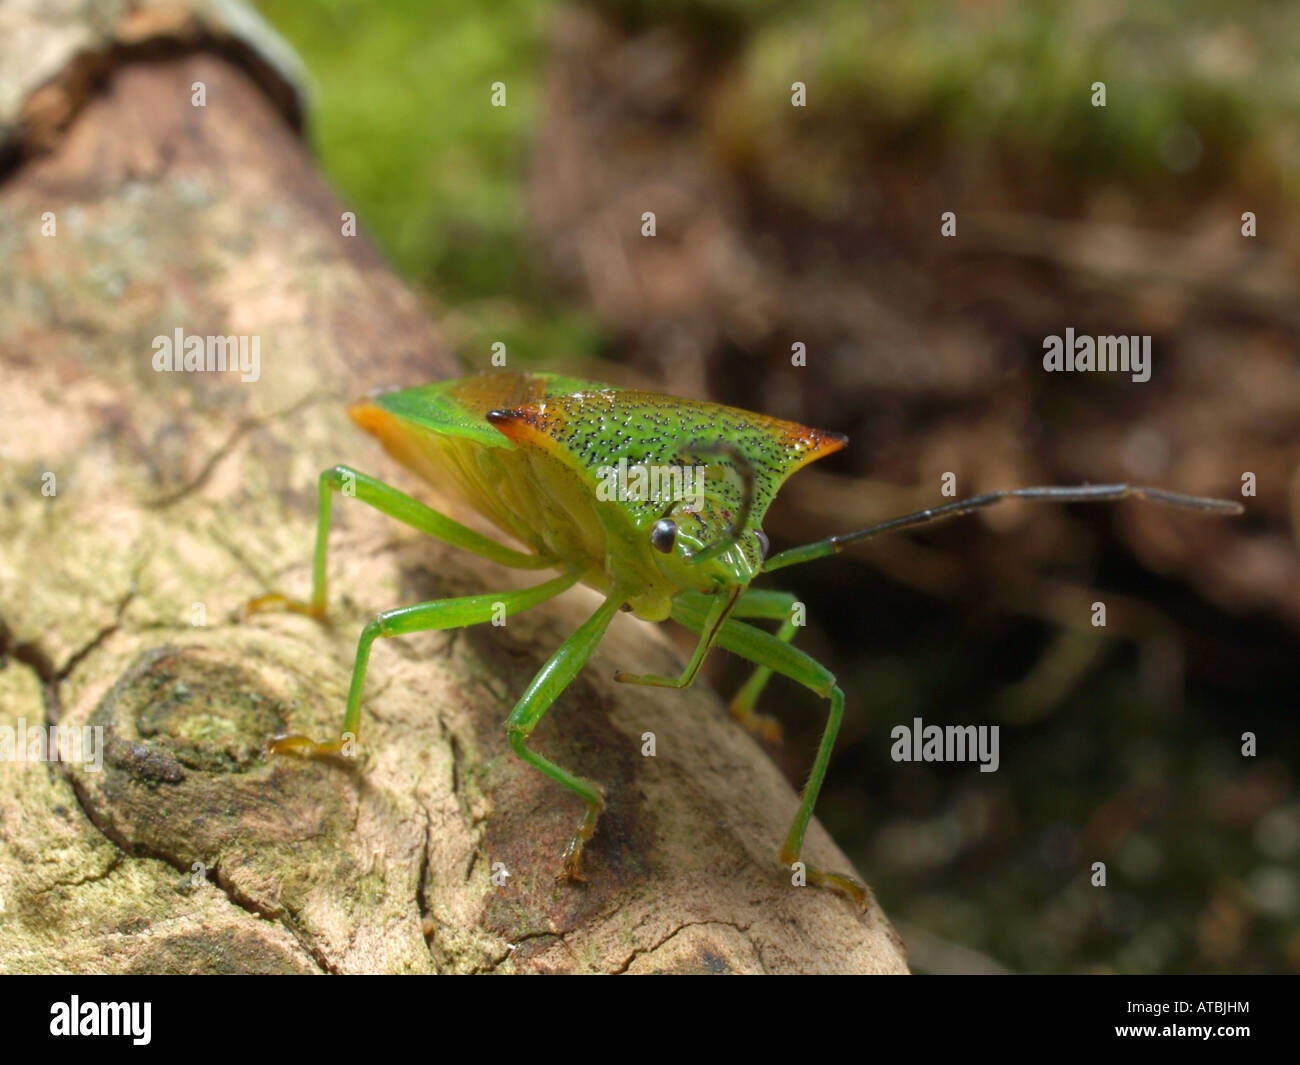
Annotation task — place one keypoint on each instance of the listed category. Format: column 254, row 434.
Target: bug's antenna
column 1087, row 493
column 743, row 466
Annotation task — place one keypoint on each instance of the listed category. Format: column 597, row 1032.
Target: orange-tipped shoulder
column 371, row 417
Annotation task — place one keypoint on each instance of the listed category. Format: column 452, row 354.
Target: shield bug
column 655, row 501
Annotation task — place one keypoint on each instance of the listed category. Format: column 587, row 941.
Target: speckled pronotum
column 530, row 451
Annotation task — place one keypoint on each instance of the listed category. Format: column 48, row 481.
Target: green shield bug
column 655, row 501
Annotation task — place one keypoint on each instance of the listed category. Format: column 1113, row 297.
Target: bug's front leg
column 765, row 604
column 545, row 688
column 766, row 650
column 717, row 608
column 423, row 617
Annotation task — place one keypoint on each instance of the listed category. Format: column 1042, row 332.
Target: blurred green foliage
column 1206, row 89
column 401, row 122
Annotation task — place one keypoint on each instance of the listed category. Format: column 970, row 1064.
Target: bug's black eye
column 764, row 545
column 663, row 535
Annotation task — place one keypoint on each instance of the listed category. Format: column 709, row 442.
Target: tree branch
column 177, row 496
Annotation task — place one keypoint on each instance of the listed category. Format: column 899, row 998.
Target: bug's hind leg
column 761, row 603
column 741, row 707
column 545, row 688
column 423, row 617
column 395, row 504
column 764, row 649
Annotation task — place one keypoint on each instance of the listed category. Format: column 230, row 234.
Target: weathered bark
column 180, row 495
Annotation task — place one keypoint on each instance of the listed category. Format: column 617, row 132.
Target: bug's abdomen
column 530, row 496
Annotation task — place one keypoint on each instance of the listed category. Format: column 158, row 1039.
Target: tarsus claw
column 276, row 601
column 306, row 747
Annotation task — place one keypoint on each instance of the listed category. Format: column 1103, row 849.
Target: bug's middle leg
column 423, row 617
column 545, row 688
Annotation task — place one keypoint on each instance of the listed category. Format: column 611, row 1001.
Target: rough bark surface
column 180, row 495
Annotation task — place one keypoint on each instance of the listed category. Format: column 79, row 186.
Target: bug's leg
column 716, row 610
column 756, row 603
column 423, row 617
column 397, row 505
column 545, row 688
column 766, row 604
column 1088, row 493
column 764, row 649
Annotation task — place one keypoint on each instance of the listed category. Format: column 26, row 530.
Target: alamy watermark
column 670, row 483
column 919, row 742
column 1108, row 354
column 193, row 354
column 77, row 1018
column 53, row 743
